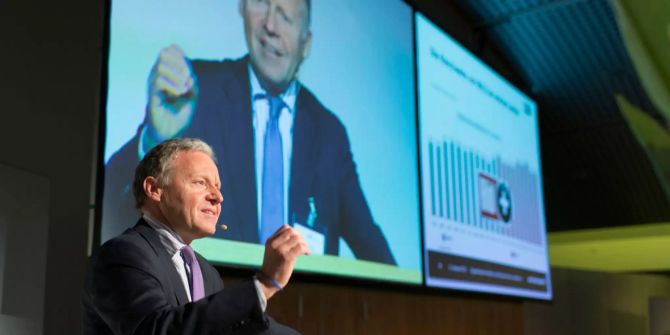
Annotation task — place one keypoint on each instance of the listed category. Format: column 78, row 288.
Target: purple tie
column 272, row 211
column 194, row 276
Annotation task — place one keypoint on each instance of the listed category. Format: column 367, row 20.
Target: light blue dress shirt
column 260, row 107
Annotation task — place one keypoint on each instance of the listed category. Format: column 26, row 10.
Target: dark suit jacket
column 132, row 287
column 322, row 166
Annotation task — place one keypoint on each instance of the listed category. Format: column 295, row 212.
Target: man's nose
column 270, row 22
column 215, row 196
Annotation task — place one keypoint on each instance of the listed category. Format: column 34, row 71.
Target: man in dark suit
column 149, row 281
column 305, row 175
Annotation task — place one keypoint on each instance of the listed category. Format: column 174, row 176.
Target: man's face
column 191, row 200
column 278, row 38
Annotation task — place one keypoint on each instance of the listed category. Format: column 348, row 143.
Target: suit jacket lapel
column 304, row 157
column 175, row 282
column 211, row 278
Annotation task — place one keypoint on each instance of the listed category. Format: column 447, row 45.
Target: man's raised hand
column 173, row 94
column 281, row 252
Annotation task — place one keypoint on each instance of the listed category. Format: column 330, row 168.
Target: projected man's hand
column 173, row 94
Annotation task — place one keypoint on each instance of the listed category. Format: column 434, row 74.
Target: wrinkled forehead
column 301, row 7
column 190, row 159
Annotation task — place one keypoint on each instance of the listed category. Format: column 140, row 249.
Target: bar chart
column 483, row 192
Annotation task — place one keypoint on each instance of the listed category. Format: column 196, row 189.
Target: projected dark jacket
column 321, row 167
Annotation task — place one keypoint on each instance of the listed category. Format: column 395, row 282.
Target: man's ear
column 152, row 188
column 307, row 45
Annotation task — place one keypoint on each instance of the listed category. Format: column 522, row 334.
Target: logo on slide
column 504, row 202
column 495, row 200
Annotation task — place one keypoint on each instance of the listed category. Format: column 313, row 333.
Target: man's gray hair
column 157, row 162
column 308, row 3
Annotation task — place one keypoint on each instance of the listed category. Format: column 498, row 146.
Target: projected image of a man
column 284, row 156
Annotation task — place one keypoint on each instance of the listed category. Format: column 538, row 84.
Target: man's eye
column 285, row 18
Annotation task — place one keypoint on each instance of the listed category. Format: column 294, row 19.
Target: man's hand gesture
column 173, row 94
column 281, row 252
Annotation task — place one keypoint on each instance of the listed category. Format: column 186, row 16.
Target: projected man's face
column 278, row 38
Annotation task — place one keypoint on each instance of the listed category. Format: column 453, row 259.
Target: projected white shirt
column 261, row 110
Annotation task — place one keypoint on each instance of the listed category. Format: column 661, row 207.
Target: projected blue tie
column 272, row 211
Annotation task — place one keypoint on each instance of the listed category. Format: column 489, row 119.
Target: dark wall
column 458, row 22
column 49, row 86
column 50, row 77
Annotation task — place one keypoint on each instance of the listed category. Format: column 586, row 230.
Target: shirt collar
column 170, row 240
column 288, row 96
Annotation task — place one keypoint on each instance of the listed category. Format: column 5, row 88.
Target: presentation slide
column 483, row 212
column 347, row 124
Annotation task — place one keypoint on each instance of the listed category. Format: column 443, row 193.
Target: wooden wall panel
column 337, row 309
